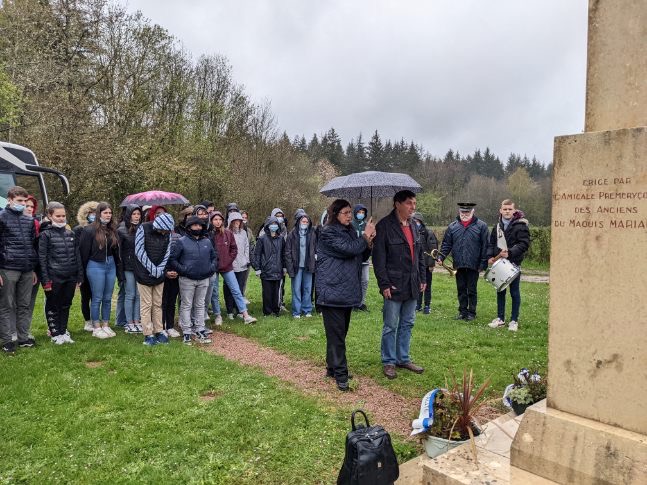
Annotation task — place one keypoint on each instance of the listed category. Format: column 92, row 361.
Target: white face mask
column 59, row 224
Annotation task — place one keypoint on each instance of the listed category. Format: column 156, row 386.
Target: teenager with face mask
column 61, row 271
column 152, row 253
column 99, row 246
column 85, row 215
column 269, row 263
column 18, row 260
column 360, row 217
column 429, row 243
column 126, row 231
column 300, row 249
column 194, row 259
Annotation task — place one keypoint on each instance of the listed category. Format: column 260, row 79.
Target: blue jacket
column 193, row 258
column 468, row 245
column 340, row 252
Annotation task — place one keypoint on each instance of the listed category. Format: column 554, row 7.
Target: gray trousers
column 365, row 273
column 15, row 303
column 192, row 294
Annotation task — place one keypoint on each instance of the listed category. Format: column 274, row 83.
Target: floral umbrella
column 155, row 197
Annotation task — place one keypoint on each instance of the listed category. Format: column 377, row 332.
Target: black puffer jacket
column 269, row 256
column 17, row 241
column 467, row 245
column 293, row 246
column 429, row 243
column 155, row 246
column 193, row 258
column 394, row 268
column 340, row 253
column 517, row 237
column 127, row 240
column 59, row 255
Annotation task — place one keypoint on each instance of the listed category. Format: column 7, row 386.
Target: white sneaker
column 138, row 328
column 88, row 326
column 230, row 316
column 109, row 332
column 99, row 333
column 296, row 316
column 67, row 338
column 249, row 319
column 173, row 333
column 496, row 323
column 240, row 315
column 513, row 326
column 58, row 340
column 308, row 315
column 218, row 320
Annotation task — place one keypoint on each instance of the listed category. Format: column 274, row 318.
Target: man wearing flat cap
column 466, row 239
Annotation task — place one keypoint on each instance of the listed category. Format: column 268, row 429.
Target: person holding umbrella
column 340, row 252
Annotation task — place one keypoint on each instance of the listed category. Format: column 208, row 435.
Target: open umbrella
column 154, row 197
column 364, row 185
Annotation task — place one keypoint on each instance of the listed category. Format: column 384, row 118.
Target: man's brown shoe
column 412, row 367
column 389, row 371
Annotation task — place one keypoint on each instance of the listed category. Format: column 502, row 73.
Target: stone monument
column 593, row 428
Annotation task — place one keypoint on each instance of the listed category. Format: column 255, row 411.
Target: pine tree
column 314, row 148
column 375, row 153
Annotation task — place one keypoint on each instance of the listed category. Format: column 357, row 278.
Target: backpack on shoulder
column 370, row 459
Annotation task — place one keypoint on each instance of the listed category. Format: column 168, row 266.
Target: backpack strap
column 352, row 418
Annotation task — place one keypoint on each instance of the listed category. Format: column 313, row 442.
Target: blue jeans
column 121, row 319
column 131, row 299
column 213, row 295
column 229, row 279
column 396, row 333
column 302, row 292
column 102, row 278
column 515, row 294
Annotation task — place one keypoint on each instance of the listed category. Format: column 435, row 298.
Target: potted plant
column 452, row 418
column 528, row 388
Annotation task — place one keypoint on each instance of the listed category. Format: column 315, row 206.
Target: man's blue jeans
column 515, row 294
column 302, row 292
column 396, row 333
column 102, row 278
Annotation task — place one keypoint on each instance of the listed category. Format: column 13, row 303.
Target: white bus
column 19, row 166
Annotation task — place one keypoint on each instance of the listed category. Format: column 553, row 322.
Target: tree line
column 118, row 105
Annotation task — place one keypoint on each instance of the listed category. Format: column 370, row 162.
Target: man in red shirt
column 399, row 265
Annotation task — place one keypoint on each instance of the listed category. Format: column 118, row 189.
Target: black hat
column 466, row 206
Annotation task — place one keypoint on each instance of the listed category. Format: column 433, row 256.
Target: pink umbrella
column 154, row 197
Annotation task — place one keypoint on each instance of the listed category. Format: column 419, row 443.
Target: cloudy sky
column 508, row 74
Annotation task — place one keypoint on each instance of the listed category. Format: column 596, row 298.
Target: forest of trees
column 117, row 104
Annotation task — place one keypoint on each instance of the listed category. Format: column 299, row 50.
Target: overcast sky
column 462, row 74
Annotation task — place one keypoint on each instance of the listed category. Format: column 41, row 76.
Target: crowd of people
column 158, row 262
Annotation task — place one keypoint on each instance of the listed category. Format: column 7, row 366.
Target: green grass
column 439, row 343
column 138, row 417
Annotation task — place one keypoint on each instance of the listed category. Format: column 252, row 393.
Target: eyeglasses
column 346, row 212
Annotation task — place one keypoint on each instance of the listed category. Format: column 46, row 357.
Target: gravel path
column 382, row 406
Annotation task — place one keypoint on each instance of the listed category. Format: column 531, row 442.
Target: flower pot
column 519, row 409
column 435, row 446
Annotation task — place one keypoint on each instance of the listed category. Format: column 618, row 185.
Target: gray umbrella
column 365, row 185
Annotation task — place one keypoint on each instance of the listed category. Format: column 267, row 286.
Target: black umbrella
column 364, row 185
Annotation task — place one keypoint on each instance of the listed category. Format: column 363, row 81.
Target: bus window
column 6, row 182
column 31, row 183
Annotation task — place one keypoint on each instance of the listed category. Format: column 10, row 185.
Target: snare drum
column 501, row 274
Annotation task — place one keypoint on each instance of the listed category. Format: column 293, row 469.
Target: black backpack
column 370, row 459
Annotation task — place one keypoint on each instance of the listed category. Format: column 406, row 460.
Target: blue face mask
column 19, row 207
column 360, row 216
column 273, row 227
column 304, row 227
column 91, row 218
column 418, row 224
column 280, row 219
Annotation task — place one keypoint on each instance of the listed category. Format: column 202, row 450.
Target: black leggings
column 58, row 301
column 169, row 299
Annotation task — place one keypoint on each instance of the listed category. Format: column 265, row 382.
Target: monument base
column 566, row 448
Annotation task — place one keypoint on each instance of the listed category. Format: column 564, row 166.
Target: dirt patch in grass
column 93, row 364
column 303, row 338
column 384, row 407
column 207, row 396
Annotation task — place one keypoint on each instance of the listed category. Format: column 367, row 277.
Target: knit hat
column 214, row 214
column 164, row 222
